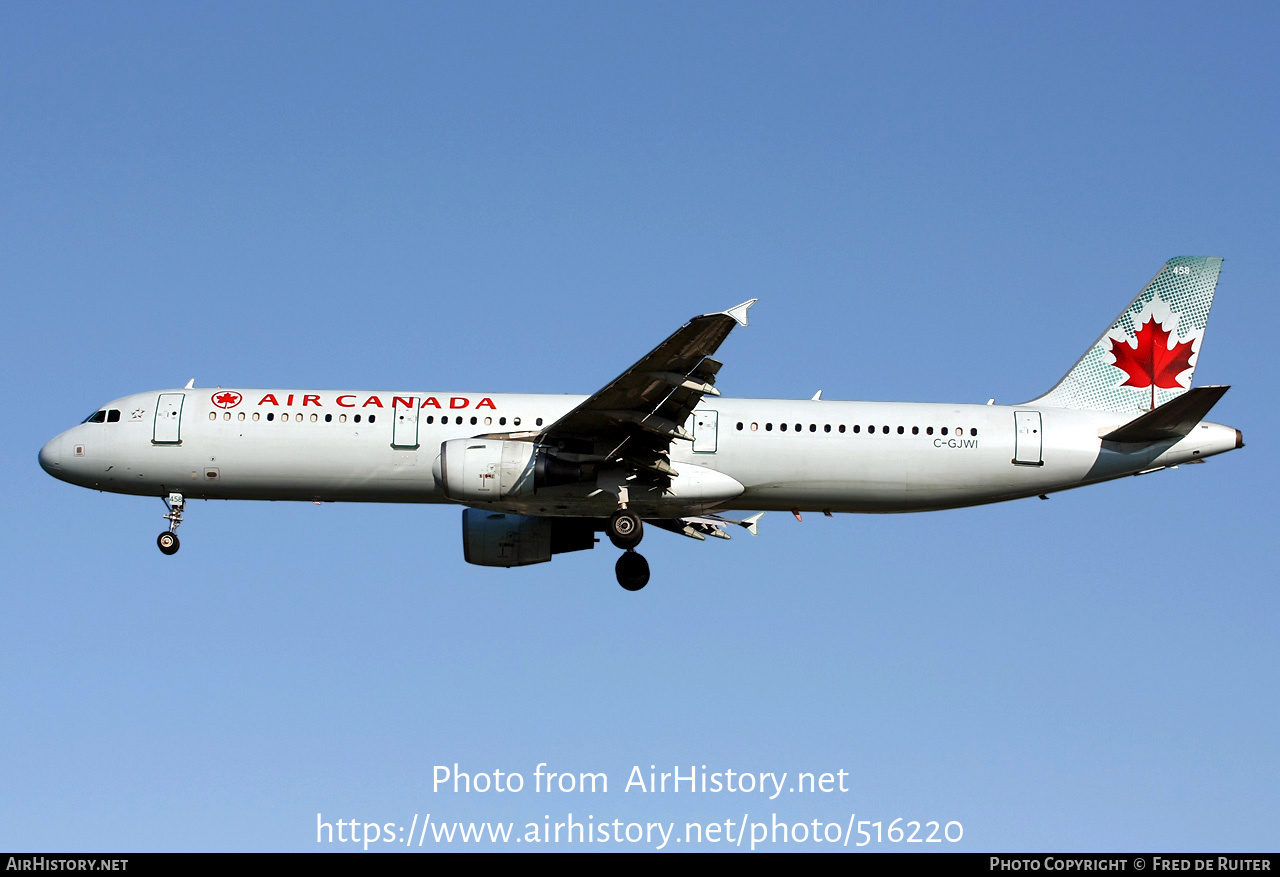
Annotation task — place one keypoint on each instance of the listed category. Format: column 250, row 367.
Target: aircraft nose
column 51, row 456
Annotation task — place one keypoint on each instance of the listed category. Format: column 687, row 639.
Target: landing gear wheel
column 168, row 542
column 625, row 529
column 632, row 570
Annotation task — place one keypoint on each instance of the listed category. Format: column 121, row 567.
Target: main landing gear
column 168, row 540
column 625, row 530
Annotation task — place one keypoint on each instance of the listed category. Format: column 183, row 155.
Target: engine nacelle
column 496, row 539
column 487, row 470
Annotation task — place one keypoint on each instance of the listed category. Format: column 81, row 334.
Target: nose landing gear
column 168, row 540
column 625, row 530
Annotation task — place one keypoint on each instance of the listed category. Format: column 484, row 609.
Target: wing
column 634, row 419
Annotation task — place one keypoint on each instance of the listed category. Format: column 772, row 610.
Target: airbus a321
column 659, row 446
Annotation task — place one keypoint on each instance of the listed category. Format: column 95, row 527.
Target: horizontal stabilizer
column 1172, row 420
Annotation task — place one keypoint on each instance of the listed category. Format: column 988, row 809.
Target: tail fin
column 1149, row 354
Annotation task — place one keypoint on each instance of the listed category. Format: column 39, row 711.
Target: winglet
column 739, row 312
column 751, row 522
column 191, row 383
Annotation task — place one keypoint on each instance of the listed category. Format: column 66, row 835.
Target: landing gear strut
column 168, row 540
column 625, row 530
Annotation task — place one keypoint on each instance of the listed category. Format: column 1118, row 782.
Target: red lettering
column 402, row 402
column 345, row 404
column 430, row 400
column 486, row 402
column 290, row 401
column 310, row 400
column 372, row 400
column 454, row 400
column 271, row 396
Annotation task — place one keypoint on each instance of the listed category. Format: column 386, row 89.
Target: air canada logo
column 1153, row 362
column 1156, row 355
column 227, row 400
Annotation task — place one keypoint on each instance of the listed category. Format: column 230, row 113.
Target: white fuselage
column 761, row 454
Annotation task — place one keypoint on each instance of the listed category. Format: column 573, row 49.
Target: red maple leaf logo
column 1152, row 363
column 226, row 400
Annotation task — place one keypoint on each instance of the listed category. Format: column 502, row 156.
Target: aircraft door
column 167, row 428
column 404, row 422
column 1029, row 439
column 705, row 429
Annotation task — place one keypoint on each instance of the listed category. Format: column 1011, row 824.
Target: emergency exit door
column 1028, row 446
column 705, row 425
column 404, row 422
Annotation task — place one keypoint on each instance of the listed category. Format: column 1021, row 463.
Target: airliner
column 540, row 475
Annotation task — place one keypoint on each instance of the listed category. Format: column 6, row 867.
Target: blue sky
column 931, row 201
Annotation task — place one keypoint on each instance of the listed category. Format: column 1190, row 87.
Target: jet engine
column 487, row 470
column 496, row 539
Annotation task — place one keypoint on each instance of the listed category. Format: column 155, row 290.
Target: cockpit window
column 113, row 416
column 96, row 417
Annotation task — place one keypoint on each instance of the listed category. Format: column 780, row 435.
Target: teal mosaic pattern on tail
column 1149, row 354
